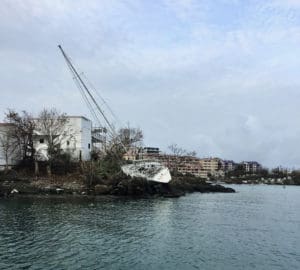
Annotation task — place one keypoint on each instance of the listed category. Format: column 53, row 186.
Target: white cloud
column 186, row 9
column 286, row 3
column 220, row 85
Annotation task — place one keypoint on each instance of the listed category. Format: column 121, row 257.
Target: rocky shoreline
column 78, row 185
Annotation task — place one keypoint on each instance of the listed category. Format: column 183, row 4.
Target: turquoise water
column 256, row 228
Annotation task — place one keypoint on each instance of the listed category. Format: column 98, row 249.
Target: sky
column 217, row 77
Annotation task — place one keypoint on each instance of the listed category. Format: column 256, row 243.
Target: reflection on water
column 258, row 227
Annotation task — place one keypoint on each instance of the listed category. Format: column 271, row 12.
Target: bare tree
column 52, row 127
column 23, row 127
column 130, row 137
column 191, row 154
column 122, row 141
column 8, row 144
column 178, row 152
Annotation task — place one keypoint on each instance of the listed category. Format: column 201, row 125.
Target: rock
column 53, row 190
column 101, row 189
column 174, row 195
column 59, row 190
column 192, row 184
column 14, row 191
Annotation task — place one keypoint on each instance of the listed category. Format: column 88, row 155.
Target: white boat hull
column 152, row 171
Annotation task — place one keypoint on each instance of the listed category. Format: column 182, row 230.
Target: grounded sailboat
column 150, row 170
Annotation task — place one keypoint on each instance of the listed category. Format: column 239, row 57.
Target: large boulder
column 193, row 184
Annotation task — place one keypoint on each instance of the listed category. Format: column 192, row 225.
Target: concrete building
column 181, row 164
column 75, row 139
column 149, row 153
column 9, row 153
column 213, row 166
column 132, row 154
column 251, row 166
column 228, row 165
column 201, row 167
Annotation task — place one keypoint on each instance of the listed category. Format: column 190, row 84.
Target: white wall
column 80, row 139
column 13, row 155
column 77, row 139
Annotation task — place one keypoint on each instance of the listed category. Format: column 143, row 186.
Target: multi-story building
column 133, row 153
column 213, row 166
column 251, row 166
column 182, row 164
column 149, row 153
column 75, row 138
column 229, row 165
column 9, row 151
column 204, row 167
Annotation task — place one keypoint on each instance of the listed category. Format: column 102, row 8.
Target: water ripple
column 258, row 227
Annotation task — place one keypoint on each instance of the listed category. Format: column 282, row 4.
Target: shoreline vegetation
column 56, row 169
column 13, row 183
column 276, row 176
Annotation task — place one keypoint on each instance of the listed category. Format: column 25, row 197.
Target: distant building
column 229, row 165
column 133, row 153
column 151, row 150
column 183, row 164
column 149, row 153
column 213, row 166
column 251, row 166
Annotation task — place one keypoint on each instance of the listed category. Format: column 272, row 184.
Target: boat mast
column 82, row 84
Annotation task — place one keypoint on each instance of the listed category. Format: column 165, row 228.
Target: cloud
column 290, row 4
column 186, row 9
column 220, row 77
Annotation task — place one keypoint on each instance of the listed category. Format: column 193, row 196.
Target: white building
column 75, row 139
column 9, row 153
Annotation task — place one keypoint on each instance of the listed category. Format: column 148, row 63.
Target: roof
column 6, row 124
column 70, row 116
column 78, row 116
column 4, row 127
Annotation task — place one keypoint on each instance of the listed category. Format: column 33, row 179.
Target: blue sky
column 219, row 77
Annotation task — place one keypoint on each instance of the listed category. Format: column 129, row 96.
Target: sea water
column 256, row 228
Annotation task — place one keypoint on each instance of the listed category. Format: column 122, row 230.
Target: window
column 89, row 146
column 41, row 140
